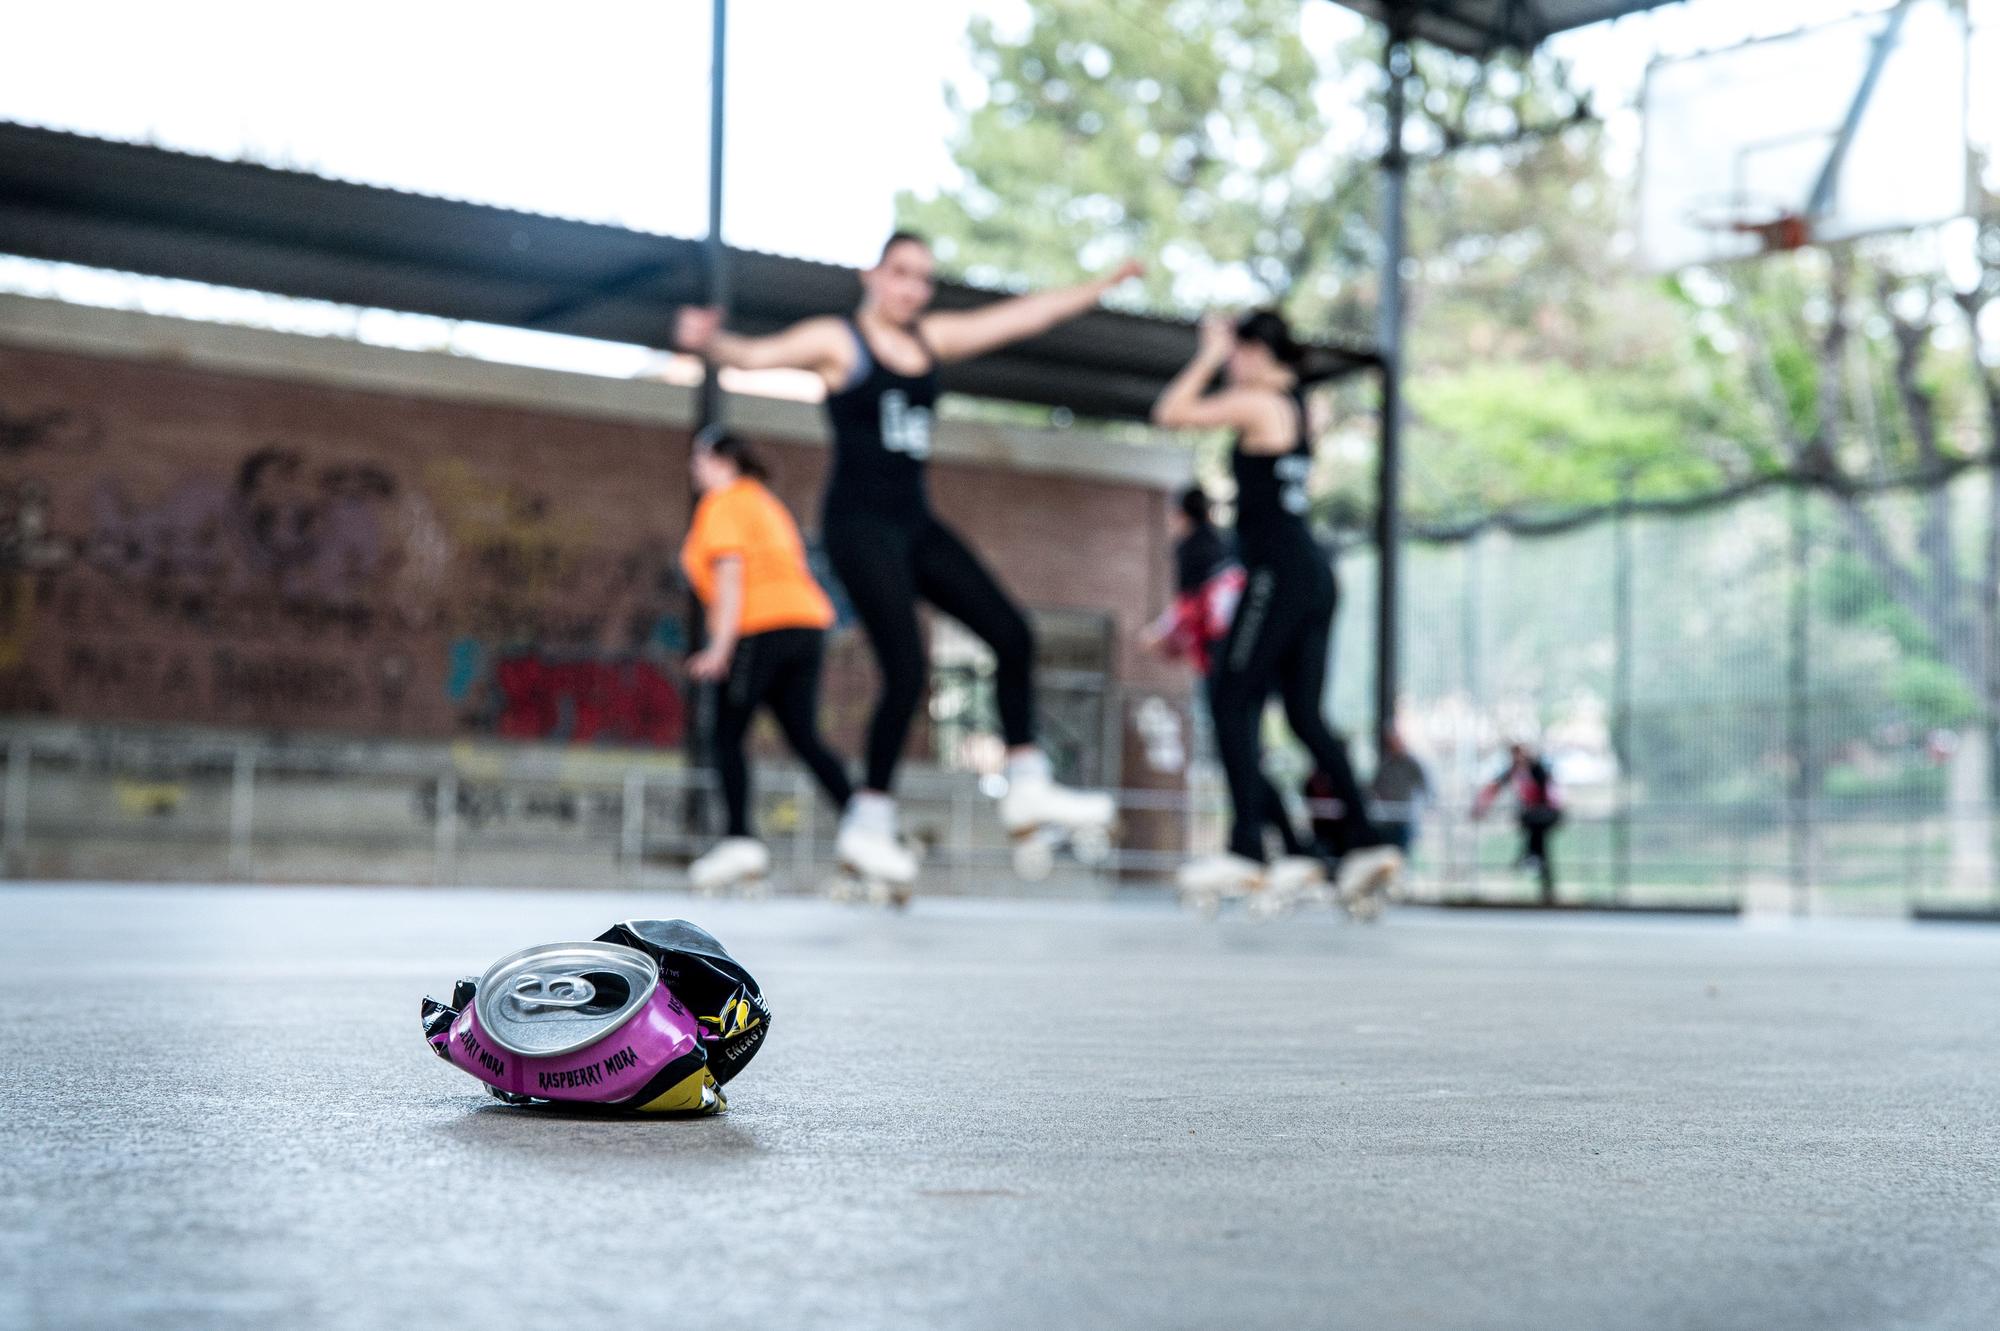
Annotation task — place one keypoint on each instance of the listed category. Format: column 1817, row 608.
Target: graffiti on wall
column 313, row 587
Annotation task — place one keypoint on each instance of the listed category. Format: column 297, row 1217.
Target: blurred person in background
column 1400, row 789
column 1538, row 811
column 1208, row 582
column 766, row 621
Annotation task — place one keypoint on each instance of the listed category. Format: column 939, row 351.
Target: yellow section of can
column 695, row 1093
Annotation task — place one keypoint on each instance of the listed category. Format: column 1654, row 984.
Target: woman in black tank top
column 886, row 545
column 881, row 423
column 1279, row 640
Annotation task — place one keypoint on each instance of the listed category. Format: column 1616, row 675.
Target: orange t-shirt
column 745, row 520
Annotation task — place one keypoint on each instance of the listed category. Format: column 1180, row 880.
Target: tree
column 1868, row 371
column 1208, row 137
column 1186, row 132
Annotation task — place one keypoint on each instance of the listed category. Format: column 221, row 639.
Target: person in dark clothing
column 1208, row 582
column 1200, row 549
column 1278, row 640
column 1399, row 788
column 1538, row 811
column 887, row 545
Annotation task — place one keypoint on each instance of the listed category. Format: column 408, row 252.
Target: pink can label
column 613, row 1069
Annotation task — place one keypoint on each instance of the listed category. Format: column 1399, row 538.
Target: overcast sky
column 599, row 110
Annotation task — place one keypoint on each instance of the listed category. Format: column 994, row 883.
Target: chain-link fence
column 1787, row 692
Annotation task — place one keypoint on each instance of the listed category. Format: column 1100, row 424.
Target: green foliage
column 1932, row 694
column 1185, row 132
column 1513, row 434
column 1208, row 139
column 1848, row 591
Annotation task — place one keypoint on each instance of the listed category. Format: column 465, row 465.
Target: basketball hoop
column 1776, row 227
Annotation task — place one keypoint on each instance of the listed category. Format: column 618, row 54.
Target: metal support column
column 1621, row 691
column 444, row 847
column 718, row 257
column 1798, row 737
column 1396, row 65
column 242, row 812
column 632, row 827
column 14, row 857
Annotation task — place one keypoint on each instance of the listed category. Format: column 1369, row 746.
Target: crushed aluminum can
column 650, row 1018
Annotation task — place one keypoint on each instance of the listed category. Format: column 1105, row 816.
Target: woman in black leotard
column 1278, row 641
column 885, row 543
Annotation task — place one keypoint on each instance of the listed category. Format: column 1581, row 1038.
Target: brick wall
column 184, row 545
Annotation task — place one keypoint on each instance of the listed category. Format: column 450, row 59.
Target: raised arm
column 1187, row 405
column 819, row 344
column 963, row 334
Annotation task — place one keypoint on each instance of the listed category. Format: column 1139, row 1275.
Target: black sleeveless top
column 1271, row 498
column 881, row 423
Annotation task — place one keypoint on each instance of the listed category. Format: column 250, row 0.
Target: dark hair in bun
column 1268, row 327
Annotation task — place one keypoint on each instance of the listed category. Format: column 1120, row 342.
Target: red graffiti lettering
column 622, row 701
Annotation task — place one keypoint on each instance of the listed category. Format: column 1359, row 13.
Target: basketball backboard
column 1849, row 129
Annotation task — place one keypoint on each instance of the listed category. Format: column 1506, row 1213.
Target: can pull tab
column 552, row 991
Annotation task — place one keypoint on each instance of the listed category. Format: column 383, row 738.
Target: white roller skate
column 874, row 866
column 1292, row 882
column 1042, row 817
column 1366, row 879
column 737, row 863
column 1207, row 882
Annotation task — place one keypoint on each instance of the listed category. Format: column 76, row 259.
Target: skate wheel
column 1034, row 858
column 1366, row 909
column 1091, row 845
column 843, row 891
column 1264, row 906
column 1205, row 904
column 894, row 895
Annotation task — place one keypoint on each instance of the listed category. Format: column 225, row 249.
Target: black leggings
column 779, row 669
column 885, row 567
column 1275, row 812
column 1278, row 643
column 1536, row 824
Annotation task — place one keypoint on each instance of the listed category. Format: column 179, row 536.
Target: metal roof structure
column 143, row 209
column 1485, row 27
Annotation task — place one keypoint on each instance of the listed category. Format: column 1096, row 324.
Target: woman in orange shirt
column 767, row 622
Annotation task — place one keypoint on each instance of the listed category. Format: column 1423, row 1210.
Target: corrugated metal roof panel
column 144, row 209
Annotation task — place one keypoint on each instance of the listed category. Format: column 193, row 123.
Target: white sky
column 599, row 109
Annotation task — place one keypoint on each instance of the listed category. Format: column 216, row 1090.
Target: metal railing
column 176, row 806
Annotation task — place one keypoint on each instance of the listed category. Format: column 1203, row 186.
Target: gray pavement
column 219, row 1113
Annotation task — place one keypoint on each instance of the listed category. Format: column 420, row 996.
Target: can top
column 561, row 997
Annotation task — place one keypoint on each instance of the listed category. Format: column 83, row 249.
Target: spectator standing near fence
column 1538, row 812
column 1400, row 789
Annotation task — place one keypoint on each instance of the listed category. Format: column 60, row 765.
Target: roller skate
column 1042, row 818
column 1366, row 878
column 1293, row 882
column 1207, row 882
column 740, row 864
column 874, row 866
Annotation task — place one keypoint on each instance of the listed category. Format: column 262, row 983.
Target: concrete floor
column 220, row 1113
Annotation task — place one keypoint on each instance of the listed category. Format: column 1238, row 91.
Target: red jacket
column 1199, row 618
